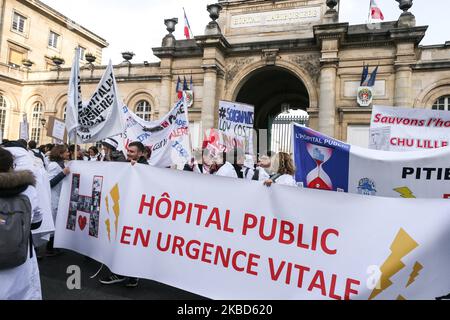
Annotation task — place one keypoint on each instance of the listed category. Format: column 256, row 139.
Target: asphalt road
column 54, row 278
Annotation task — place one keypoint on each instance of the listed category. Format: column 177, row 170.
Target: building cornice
column 64, row 21
column 432, row 65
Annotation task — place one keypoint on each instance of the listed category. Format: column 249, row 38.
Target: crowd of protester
column 32, row 174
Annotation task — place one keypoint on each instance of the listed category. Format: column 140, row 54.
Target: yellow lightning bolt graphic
column 107, row 204
column 402, row 245
column 108, row 229
column 405, row 192
column 416, row 269
column 115, row 196
column 400, row 297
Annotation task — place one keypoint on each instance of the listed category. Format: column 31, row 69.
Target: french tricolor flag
column 187, row 27
column 375, row 11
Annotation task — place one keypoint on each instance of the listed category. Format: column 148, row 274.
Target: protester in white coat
column 222, row 168
column 264, row 167
column 21, row 282
column 24, row 160
column 284, row 169
column 57, row 171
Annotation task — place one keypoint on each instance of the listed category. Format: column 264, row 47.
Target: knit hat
column 110, row 143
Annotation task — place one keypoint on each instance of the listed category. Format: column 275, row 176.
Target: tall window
column 2, row 115
column 36, row 122
column 18, row 23
column 82, row 52
column 65, row 112
column 144, row 110
column 15, row 58
column 443, row 103
column 53, row 40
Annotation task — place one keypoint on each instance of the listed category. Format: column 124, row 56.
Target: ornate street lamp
column 43, row 122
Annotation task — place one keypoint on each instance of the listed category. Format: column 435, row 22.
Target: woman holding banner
column 283, row 165
column 57, row 171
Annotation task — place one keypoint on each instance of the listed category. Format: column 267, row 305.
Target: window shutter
column 15, row 57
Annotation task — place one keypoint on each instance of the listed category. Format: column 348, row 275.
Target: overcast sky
column 138, row 25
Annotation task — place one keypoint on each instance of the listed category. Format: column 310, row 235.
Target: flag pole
column 76, row 130
column 76, row 148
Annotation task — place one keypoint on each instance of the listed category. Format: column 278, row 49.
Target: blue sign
column 321, row 161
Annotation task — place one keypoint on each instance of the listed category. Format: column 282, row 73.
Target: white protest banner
column 236, row 123
column 325, row 163
column 168, row 137
column 74, row 101
column 24, row 129
column 56, row 128
column 274, row 243
column 407, row 129
column 100, row 118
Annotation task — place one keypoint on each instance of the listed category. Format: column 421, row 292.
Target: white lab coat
column 23, row 282
column 227, row 170
column 286, row 180
column 53, row 170
column 248, row 174
column 25, row 160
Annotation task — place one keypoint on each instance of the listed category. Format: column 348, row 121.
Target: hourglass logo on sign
column 318, row 178
column 321, row 161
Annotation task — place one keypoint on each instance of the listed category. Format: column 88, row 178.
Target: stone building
column 270, row 54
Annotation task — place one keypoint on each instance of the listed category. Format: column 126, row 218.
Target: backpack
column 15, row 231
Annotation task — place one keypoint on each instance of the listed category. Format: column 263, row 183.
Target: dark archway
column 271, row 90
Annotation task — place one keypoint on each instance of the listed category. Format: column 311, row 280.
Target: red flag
column 187, row 27
column 179, row 89
column 375, row 11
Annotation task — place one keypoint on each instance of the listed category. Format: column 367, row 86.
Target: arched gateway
column 274, row 90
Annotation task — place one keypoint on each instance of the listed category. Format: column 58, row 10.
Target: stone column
column 403, row 83
column 164, row 95
column 406, row 37
column 327, row 99
column 328, row 36
column 214, row 47
column 209, row 97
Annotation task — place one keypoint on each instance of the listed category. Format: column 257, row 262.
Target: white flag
column 100, row 118
column 168, row 137
column 24, row 129
column 74, row 102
